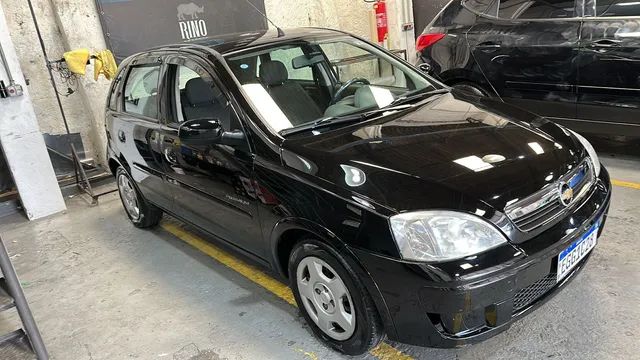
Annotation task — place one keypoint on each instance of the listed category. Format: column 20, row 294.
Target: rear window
column 537, row 9
column 524, row 9
column 456, row 14
column 608, row 8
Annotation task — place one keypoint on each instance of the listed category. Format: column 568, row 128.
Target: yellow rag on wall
column 77, row 60
column 104, row 64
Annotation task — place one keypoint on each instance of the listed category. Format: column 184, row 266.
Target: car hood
column 454, row 150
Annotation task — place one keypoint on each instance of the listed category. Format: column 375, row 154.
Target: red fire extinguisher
column 380, row 8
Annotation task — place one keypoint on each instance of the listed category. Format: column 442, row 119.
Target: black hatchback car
column 576, row 62
column 392, row 204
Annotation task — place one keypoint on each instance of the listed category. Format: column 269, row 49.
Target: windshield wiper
column 417, row 96
column 401, row 103
column 344, row 119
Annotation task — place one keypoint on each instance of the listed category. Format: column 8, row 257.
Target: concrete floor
column 101, row 289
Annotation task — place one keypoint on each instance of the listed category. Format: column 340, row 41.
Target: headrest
column 364, row 97
column 150, row 83
column 370, row 96
column 273, row 73
column 199, row 91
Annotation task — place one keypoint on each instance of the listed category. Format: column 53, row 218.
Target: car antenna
column 280, row 32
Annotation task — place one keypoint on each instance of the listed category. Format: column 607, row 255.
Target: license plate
column 572, row 255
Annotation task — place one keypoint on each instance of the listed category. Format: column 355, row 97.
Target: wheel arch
column 456, row 76
column 116, row 162
column 289, row 231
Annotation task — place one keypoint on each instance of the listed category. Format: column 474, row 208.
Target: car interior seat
column 291, row 97
column 150, row 106
column 205, row 102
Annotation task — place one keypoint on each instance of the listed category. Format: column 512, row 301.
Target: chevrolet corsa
column 393, row 205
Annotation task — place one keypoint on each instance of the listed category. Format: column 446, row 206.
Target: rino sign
column 195, row 27
column 134, row 25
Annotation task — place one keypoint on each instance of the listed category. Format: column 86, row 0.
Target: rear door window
column 141, row 91
column 609, row 8
column 536, row 9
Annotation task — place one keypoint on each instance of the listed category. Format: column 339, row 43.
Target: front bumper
column 432, row 305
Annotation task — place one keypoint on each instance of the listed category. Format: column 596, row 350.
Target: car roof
column 230, row 43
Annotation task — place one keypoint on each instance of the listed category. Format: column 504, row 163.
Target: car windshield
column 294, row 84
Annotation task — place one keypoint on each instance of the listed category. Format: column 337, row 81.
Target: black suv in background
column 576, row 62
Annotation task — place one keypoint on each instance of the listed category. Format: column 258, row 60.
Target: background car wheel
column 140, row 212
column 471, row 88
column 333, row 301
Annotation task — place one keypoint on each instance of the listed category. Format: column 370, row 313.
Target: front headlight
column 443, row 235
column 590, row 150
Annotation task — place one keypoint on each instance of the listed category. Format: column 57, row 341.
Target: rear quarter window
column 455, row 14
column 114, row 91
column 141, row 91
column 609, row 8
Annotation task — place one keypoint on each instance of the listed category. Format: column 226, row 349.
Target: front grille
column 546, row 205
column 533, row 292
column 538, row 217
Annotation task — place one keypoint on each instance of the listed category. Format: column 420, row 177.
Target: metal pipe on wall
column 5, row 64
column 46, row 59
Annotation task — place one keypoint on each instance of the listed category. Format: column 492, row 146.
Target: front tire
column 333, row 300
column 141, row 213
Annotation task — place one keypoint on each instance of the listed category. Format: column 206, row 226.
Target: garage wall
column 72, row 24
column 33, row 66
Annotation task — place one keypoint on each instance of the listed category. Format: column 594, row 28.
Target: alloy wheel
column 129, row 197
column 326, row 298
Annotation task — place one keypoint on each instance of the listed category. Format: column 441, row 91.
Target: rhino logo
column 192, row 10
column 195, row 28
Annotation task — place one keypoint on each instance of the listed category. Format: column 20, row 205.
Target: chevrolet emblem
column 566, row 194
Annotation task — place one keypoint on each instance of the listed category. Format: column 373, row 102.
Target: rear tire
column 471, row 88
column 333, row 300
column 141, row 213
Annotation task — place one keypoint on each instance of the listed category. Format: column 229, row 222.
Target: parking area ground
column 101, row 289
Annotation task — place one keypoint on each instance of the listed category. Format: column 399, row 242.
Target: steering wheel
column 338, row 95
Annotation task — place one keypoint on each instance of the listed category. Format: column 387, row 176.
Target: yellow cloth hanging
column 77, row 60
column 104, row 64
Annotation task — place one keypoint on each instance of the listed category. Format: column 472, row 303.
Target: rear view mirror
column 200, row 132
column 306, row 60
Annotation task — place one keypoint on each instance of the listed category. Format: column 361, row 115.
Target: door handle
column 489, row 46
column 604, row 43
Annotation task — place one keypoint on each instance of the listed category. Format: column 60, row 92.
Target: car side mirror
column 233, row 138
column 209, row 132
column 200, row 132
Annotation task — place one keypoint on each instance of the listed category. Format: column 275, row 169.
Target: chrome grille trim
column 545, row 205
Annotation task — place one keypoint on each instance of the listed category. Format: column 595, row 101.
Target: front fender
column 300, row 224
column 340, row 248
